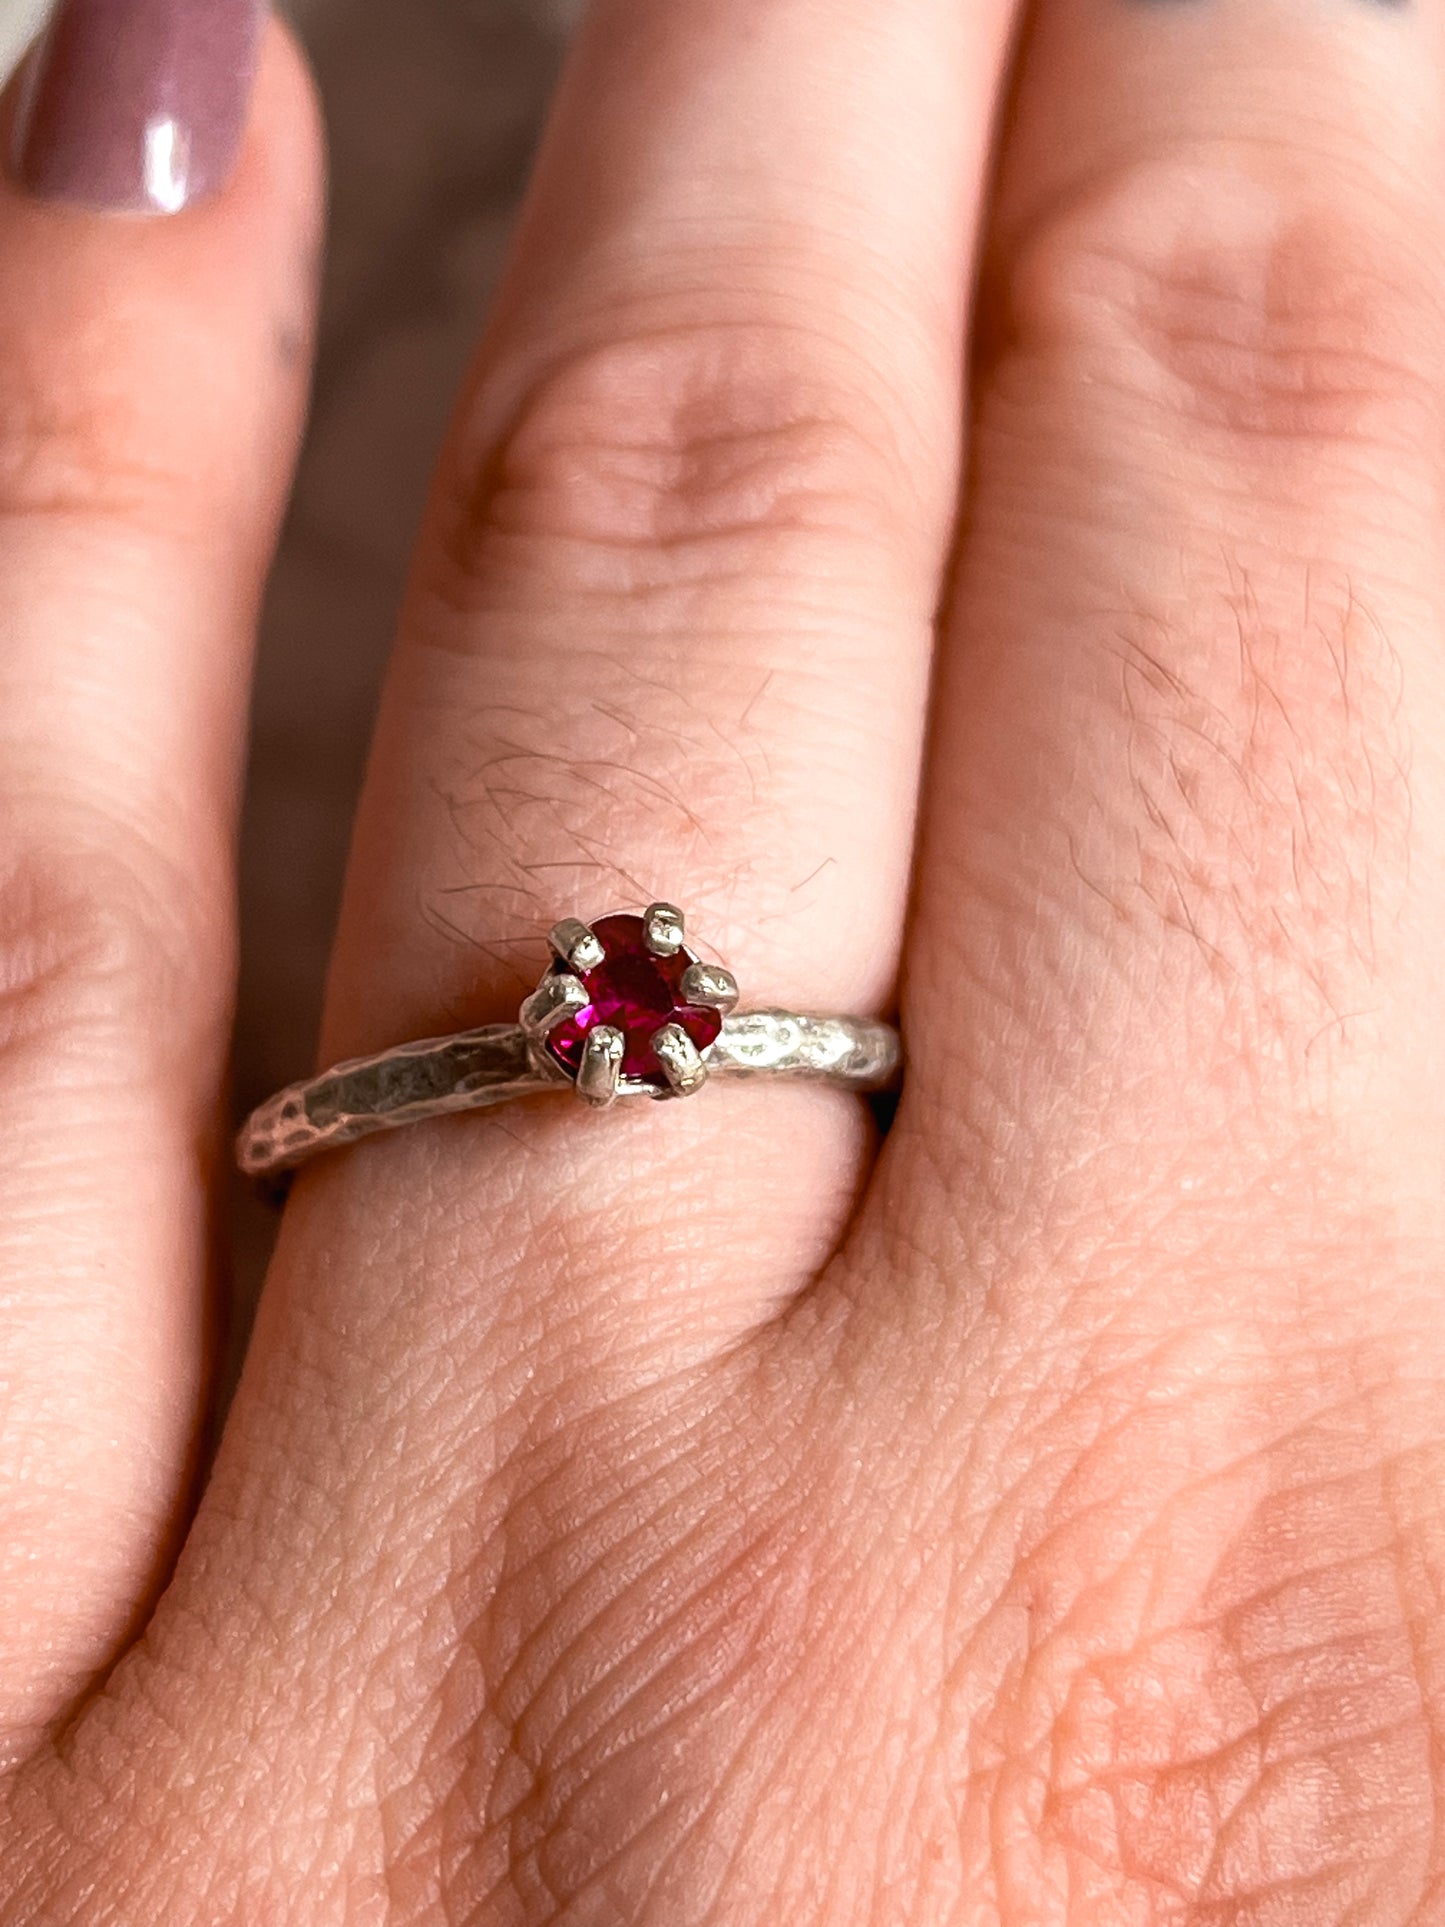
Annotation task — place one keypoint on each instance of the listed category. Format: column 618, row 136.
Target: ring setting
column 626, row 1008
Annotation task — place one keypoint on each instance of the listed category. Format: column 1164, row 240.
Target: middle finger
column 1179, row 912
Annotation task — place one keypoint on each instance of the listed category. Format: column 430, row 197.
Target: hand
column 706, row 1517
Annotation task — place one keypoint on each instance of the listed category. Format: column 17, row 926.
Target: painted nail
column 137, row 106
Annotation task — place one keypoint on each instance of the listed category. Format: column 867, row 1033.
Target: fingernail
column 137, row 106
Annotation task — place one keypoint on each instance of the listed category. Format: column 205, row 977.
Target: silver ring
column 625, row 1010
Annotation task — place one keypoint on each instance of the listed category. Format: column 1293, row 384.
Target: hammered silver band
column 476, row 1069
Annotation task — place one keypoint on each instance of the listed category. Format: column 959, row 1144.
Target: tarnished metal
column 481, row 1068
column 477, row 1069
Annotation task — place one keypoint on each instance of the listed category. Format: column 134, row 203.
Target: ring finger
column 672, row 620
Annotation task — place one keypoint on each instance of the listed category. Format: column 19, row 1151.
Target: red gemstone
column 637, row 993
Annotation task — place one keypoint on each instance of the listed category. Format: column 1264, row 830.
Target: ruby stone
column 636, row 992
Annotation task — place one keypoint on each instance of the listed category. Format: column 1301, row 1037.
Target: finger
column 1182, row 893
column 1164, row 1186
column 1170, row 1157
column 686, row 544
column 151, row 376
column 709, row 450
column 671, row 625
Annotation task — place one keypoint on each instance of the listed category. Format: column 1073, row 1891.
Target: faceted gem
column 637, row 993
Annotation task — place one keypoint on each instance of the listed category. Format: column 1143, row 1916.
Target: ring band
column 625, row 1010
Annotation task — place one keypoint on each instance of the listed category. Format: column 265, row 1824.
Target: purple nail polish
column 137, row 105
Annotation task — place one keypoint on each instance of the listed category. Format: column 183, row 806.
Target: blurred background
column 433, row 108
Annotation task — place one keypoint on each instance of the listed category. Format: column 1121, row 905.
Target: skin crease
column 716, row 1516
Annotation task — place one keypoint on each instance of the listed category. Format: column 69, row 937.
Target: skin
column 714, row 1517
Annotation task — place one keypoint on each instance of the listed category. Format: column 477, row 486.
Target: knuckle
column 90, row 947
column 1235, row 298
column 79, row 451
column 671, row 458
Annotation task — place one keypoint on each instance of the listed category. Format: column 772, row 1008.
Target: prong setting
column 711, row 986
column 663, row 925
column 556, row 998
column 600, row 1073
column 626, row 1008
column 680, row 1059
column 577, row 946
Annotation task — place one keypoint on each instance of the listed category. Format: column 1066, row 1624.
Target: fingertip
column 139, row 106
column 187, row 335
column 283, row 153
column 275, row 205
column 273, row 172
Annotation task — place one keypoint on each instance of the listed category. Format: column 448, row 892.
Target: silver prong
column 663, row 925
column 711, row 986
column 575, row 944
column 680, row 1059
column 554, row 999
column 601, row 1066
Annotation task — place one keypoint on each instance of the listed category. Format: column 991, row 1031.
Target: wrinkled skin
column 708, row 1515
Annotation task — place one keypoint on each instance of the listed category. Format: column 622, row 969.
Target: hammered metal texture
column 480, row 1068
